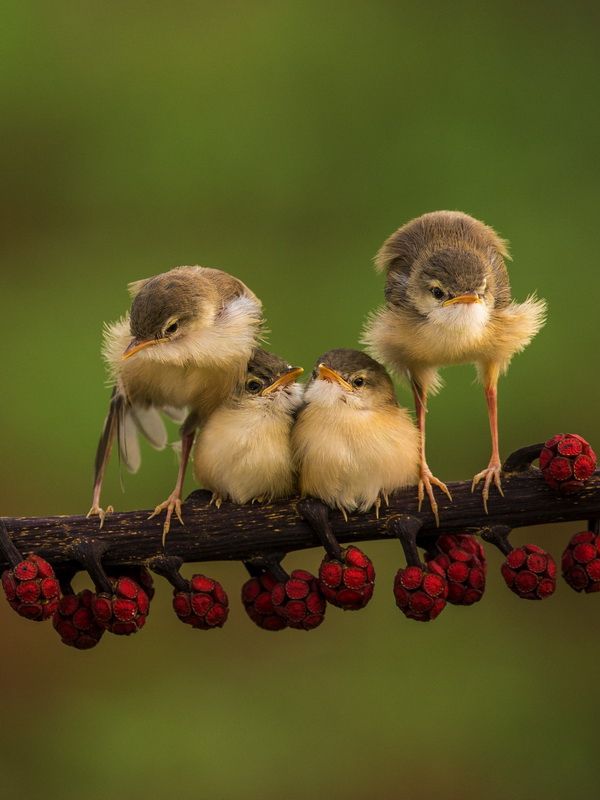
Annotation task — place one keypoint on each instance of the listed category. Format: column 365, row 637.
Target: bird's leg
column 173, row 502
column 102, row 456
column 493, row 470
column 426, row 478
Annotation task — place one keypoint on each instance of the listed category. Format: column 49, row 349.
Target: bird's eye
column 172, row 328
column 437, row 292
column 253, row 386
column 358, row 382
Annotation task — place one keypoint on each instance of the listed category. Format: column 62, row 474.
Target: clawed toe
column 100, row 513
column 425, row 485
column 491, row 474
column 173, row 504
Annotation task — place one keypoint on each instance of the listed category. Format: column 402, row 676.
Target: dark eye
column 437, row 292
column 253, row 386
column 172, row 328
column 358, row 382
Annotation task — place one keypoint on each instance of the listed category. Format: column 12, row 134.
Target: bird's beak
column 135, row 345
column 328, row 374
column 288, row 377
column 468, row 297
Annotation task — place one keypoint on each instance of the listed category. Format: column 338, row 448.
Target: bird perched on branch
column 181, row 349
column 449, row 302
column 243, row 451
column 353, row 445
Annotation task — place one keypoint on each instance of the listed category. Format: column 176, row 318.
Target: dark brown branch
column 245, row 532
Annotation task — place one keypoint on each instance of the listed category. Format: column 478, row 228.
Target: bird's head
column 270, row 383
column 452, row 284
column 351, row 377
column 173, row 313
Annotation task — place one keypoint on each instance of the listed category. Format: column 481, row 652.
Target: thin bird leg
column 493, row 470
column 427, row 478
column 173, row 502
column 103, row 454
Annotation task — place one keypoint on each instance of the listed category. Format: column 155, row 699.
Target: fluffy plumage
column 243, row 451
column 449, row 248
column 353, row 445
column 448, row 301
column 182, row 349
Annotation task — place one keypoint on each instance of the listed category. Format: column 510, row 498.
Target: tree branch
column 236, row 532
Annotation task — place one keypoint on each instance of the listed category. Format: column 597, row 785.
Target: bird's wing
column 134, row 420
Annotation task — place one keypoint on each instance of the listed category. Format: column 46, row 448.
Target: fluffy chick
column 449, row 302
column 243, row 452
column 353, row 444
column 181, row 350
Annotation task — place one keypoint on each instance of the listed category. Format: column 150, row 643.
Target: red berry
column 305, row 612
column 530, row 572
column 348, row 582
column 139, row 573
column 420, row 593
column 31, row 588
column 205, row 605
column 461, row 560
column 124, row 611
column 581, row 562
column 567, row 462
column 75, row 623
column 256, row 597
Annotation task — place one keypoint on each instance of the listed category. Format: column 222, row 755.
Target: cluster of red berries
column 581, row 562
column 345, row 580
column 203, row 604
column 460, row 559
column 31, row 588
column 530, row 572
column 567, row 461
column 81, row 619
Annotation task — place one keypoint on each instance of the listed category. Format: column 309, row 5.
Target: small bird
column 182, row 348
column 449, row 302
column 353, row 444
column 243, row 451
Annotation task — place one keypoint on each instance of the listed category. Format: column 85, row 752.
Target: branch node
column 271, row 562
column 406, row 528
column 521, row 460
column 10, row 552
column 498, row 536
column 316, row 514
column 89, row 553
column 168, row 567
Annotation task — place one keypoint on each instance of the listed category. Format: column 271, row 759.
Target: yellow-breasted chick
column 449, row 302
column 182, row 349
column 353, row 444
column 243, row 452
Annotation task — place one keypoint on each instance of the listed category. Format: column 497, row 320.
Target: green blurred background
column 282, row 141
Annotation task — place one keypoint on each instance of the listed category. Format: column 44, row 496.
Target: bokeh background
column 282, row 141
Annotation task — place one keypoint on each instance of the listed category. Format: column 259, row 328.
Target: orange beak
column 469, row 297
column 283, row 380
column 328, row 374
column 135, row 345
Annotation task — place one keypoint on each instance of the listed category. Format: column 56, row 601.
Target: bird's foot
column 216, row 500
column 426, row 484
column 96, row 511
column 492, row 473
column 171, row 504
